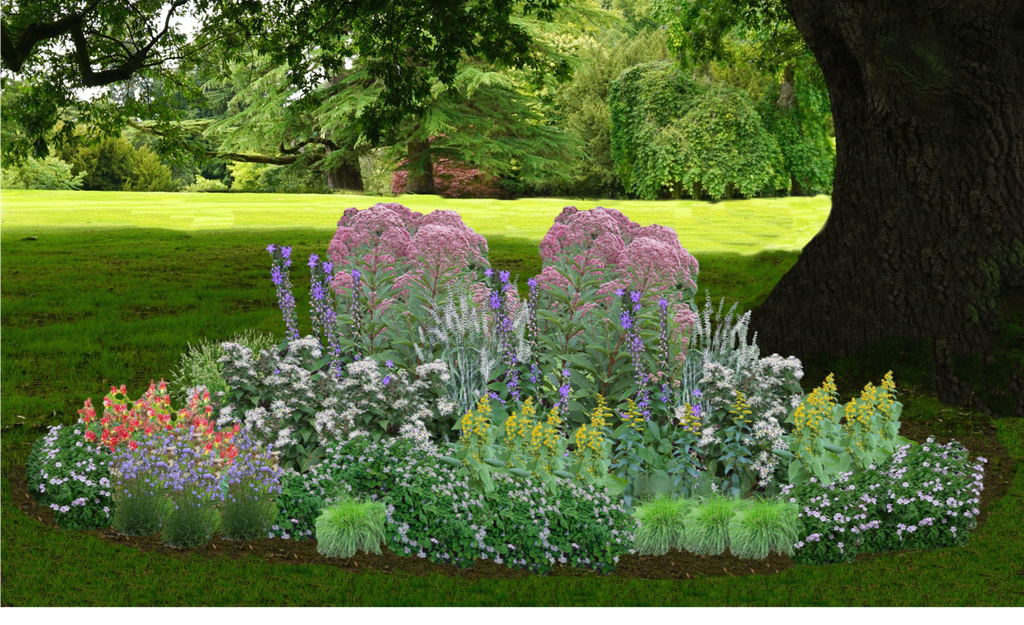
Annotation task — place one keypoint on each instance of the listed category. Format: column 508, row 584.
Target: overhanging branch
column 289, row 156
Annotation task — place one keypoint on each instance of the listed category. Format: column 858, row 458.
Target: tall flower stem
column 322, row 311
column 631, row 323
column 281, row 259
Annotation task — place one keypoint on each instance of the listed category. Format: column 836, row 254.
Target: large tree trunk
column 421, row 170
column 927, row 222
column 347, row 177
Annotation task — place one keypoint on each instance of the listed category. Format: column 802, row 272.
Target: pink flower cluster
column 425, row 248
column 645, row 258
column 455, row 180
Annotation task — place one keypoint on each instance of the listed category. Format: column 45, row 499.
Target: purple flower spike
column 286, row 251
column 625, row 321
column 635, row 295
column 312, row 261
column 503, row 276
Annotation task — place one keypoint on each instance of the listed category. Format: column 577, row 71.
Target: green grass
column 108, row 294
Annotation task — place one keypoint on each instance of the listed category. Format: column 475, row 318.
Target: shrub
column 671, row 137
column 642, row 100
column 348, row 527
column 72, row 476
column 582, row 108
column 719, row 148
column 148, row 173
column 455, row 180
column 203, row 185
column 107, row 164
column 262, row 178
column 48, row 173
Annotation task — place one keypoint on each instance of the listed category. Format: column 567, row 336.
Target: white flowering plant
column 727, row 418
column 291, row 399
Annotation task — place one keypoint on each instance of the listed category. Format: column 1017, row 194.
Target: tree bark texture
column 346, row 176
column 927, row 223
column 421, row 170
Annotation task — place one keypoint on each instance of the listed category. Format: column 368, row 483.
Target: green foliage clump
column 205, row 185
column 764, row 527
column 49, row 173
column 71, row 476
column 706, row 527
column 114, row 164
column 673, row 137
column 719, row 149
column 261, row 178
column 581, row 107
column 199, row 367
column 661, row 525
column 641, row 101
column 350, row 526
column 148, row 173
column 803, row 135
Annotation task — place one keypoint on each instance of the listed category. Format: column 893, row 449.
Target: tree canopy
column 56, row 47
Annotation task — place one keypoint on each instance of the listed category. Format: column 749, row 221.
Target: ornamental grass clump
column 764, row 527
column 706, row 530
column 194, row 490
column 139, row 489
column 348, row 527
column 661, row 523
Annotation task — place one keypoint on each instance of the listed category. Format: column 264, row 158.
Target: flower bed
column 457, row 526
column 481, row 421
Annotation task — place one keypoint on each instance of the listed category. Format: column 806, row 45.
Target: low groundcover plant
column 923, row 497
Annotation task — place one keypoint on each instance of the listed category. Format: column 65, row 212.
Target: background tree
column 672, row 137
column 742, row 43
column 581, row 105
column 489, row 116
column 59, row 46
column 926, row 232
